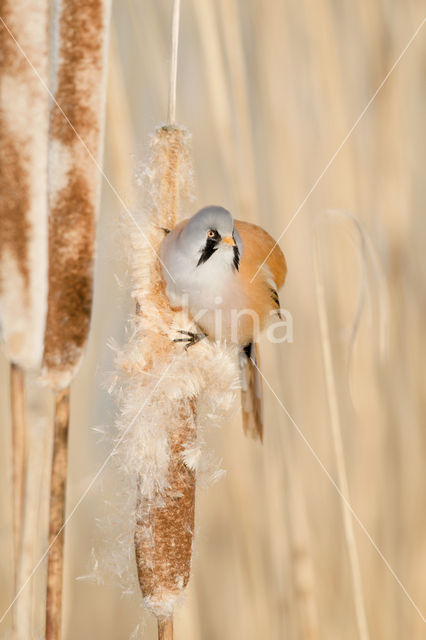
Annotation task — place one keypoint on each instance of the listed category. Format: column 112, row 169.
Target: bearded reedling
column 210, row 266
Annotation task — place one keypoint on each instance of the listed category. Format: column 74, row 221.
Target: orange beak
column 229, row 240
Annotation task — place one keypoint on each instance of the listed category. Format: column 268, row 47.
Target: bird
column 227, row 275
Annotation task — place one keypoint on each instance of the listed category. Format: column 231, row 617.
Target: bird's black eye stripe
column 209, row 249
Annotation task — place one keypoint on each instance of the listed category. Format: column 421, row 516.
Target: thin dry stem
column 338, row 448
column 30, row 603
column 17, row 405
column 57, row 516
column 171, row 116
column 165, row 628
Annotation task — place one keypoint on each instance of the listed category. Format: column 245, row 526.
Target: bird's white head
column 210, row 235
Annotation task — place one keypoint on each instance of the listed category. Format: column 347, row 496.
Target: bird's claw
column 190, row 339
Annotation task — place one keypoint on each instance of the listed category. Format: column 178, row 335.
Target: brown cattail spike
column 23, row 175
column 75, row 151
column 165, row 526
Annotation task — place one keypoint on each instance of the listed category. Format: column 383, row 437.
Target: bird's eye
column 211, row 233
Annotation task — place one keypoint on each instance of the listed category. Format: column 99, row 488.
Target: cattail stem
column 57, row 515
column 17, row 406
column 165, row 628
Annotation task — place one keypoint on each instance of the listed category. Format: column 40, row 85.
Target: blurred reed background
column 269, row 91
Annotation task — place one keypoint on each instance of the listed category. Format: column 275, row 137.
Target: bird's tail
column 251, row 392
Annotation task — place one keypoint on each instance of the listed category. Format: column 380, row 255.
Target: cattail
column 23, row 218
column 166, row 393
column 75, row 151
column 165, row 501
column 165, row 523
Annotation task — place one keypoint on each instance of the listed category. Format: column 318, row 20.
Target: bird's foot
column 191, row 338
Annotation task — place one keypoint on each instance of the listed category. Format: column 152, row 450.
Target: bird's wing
column 251, row 392
column 259, row 247
column 261, row 275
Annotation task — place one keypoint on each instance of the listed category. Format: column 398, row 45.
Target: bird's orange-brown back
column 257, row 246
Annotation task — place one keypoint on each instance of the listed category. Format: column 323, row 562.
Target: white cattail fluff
column 23, row 177
column 166, row 394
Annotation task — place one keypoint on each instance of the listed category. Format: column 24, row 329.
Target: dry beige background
column 269, row 90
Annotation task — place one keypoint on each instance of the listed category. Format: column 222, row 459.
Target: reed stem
column 57, row 515
column 17, row 406
column 171, row 114
column 165, row 628
column 336, row 432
